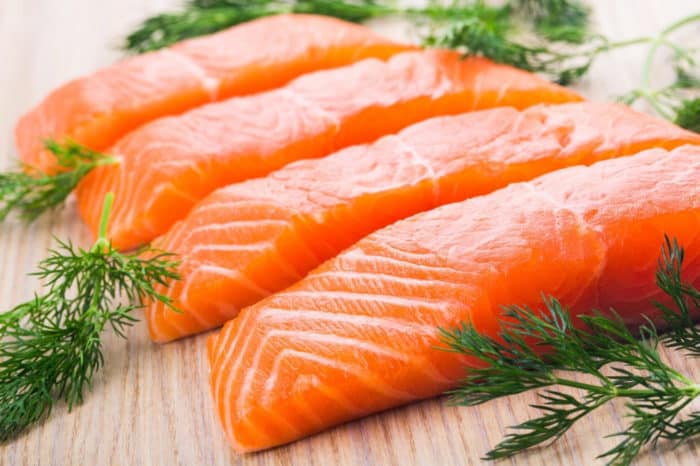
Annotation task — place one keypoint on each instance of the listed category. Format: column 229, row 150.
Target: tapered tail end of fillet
column 166, row 325
column 236, row 445
column 159, row 329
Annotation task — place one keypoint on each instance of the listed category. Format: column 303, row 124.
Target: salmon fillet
column 251, row 239
column 170, row 164
column 98, row 109
column 359, row 334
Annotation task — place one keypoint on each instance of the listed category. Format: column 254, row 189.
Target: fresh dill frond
column 490, row 32
column 679, row 101
column 200, row 17
column 557, row 20
column 50, row 346
column 553, row 38
column 31, row 194
column 545, row 349
column 355, row 11
column 684, row 299
column 166, row 29
column 688, row 114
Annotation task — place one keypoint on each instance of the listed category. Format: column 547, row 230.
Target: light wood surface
column 151, row 404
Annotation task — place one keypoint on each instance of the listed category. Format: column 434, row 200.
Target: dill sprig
column 546, row 349
column 469, row 25
column 50, row 346
column 688, row 114
column 549, row 37
column 681, row 333
column 200, row 17
column 552, row 38
column 31, row 194
column 557, row 20
column 492, row 32
column 678, row 101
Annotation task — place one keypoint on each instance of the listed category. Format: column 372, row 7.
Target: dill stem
column 689, row 388
column 680, row 23
column 582, row 385
column 624, row 43
column 646, row 91
column 106, row 161
column 102, row 240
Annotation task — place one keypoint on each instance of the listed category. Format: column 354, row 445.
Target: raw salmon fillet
column 170, row 164
column 251, row 239
column 359, row 334
column 98, row 109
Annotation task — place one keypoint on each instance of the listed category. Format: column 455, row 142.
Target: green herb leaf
column 200, row 17
column 543, row 349
column 688, row 114
column 488, row 31
column 50, row 346
column 681, row 333
column 679, row 101
column 557, row 20
column 32, row 194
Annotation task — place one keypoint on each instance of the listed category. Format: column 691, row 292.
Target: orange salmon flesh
column 251, row 239
column 169, row 165
column 98, row 109
column 359, row 334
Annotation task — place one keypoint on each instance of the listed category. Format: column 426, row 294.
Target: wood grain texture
column 151, row 404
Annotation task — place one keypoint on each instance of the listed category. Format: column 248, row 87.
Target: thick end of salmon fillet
column 97, row 109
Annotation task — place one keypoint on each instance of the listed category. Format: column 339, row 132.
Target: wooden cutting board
column 151, row 404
